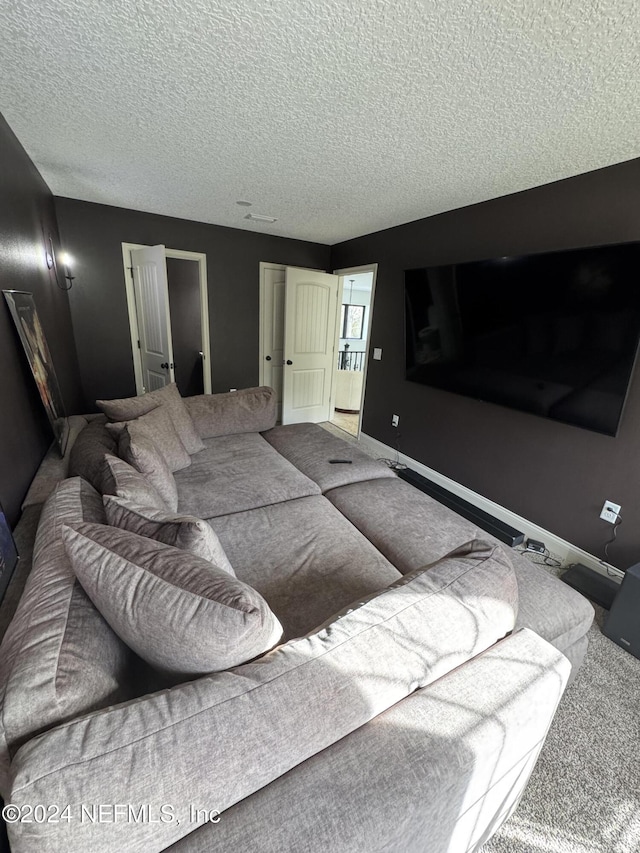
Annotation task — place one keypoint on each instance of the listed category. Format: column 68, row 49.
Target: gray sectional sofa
column 403, row 707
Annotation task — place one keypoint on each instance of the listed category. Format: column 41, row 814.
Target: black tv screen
column 552, row 334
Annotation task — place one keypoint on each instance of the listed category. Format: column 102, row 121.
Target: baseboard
column 560, row 548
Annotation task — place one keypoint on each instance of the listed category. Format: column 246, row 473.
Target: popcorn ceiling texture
column 339, row 118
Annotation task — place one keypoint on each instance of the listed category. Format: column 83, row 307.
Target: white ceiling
column 338, row 118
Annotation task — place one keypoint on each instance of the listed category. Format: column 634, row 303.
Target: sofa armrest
column 441, row 770
column 225, row 736
column 247, row 410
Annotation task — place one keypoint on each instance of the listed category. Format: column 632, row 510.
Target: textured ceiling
column 338, row 118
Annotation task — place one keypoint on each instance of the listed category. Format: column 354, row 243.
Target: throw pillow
column 180, row 613
column 158, row 427
column 132, row 407
column 182, row 531
column 120, row 478
column 144, row 456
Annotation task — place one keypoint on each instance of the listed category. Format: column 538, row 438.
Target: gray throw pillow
column 158, row 427
column 143, row 454
column 169, row 396
column 122, row 479
column 180, row 613
column 181, row 531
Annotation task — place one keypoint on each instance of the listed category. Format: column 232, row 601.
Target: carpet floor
column 584, row 793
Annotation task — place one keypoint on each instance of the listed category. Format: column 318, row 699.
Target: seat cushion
column 181, row 531
column 309, row 448
column 411, row 529
column 305, row 558
column 235, row 473
column 59, row 658
column 180, row 613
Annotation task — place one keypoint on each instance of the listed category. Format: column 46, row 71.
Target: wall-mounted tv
column 554, row 334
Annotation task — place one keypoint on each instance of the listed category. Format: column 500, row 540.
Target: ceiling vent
column 259, row 217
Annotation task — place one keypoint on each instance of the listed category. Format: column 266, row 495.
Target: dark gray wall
column 183, row 279
column 555, row 475
column 93, row 234
column 26, row 216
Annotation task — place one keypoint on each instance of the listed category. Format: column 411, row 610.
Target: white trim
column 264, row 265
column 201, row 260
column 131, row 309
column 564, row 550
column 372, row 268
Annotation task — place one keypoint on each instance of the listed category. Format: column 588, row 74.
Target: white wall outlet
column 395, row 420
column 377, row 353
column 610, row 512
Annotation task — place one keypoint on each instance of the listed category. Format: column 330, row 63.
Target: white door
column 151, row 291
column 310, row 315
column 272, row 329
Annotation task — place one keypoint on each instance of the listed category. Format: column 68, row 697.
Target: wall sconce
column 67, row 263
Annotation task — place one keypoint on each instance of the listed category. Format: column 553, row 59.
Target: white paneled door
column 149, row 272
column 310, row 314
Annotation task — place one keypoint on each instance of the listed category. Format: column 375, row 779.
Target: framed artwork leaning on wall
column 25, row 316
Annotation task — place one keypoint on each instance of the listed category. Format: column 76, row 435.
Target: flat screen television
column 553, row 334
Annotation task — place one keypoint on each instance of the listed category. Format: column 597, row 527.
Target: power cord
column 394, row 464
column 546, row 557
column 616, row 525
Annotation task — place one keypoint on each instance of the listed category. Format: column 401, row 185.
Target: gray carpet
column 584, row 794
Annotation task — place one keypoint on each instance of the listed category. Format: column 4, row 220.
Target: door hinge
column 130, row 271
column 139, row 347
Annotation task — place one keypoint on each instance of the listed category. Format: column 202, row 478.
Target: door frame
column 263, row 267
column 201, row 259
column 344, row 273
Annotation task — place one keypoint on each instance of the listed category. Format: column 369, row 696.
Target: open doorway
column 167, row 300
column 354, row 328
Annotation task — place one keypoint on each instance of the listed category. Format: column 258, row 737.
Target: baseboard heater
column 502, row 531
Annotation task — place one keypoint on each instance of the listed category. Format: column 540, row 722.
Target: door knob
column 165, row 365
column 289, row 361
column 268, row 358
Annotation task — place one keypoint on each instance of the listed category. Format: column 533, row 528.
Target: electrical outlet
column 395, row 420
column 610, row 512
column 233, row 389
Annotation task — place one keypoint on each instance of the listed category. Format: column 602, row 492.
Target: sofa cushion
column 179, row 612
column 157, row 426
column 181, row 531
column 310, row 447
column 86, row 458
column 144, row 455
column 192, row 744
column 305, row 558
column 247, row 410
column 59, row 658
column 235, row 473
column 132, row 407
column 411, row 528
column 122, row 479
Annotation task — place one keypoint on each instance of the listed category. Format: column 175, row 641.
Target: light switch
column 377, row 353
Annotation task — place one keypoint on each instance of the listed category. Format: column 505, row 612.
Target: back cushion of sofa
column 86, row 458
column 247, row 410
column 59, row 658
